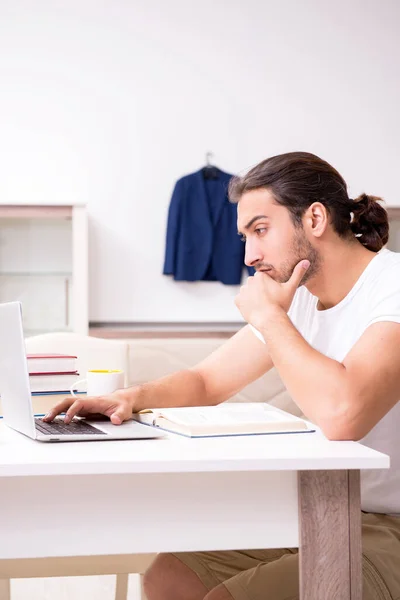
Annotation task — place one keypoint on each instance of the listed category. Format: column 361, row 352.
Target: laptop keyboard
column 58, row 427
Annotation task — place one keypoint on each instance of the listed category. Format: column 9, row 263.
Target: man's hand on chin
column 261, row 297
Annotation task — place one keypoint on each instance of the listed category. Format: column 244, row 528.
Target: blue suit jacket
column 202, row 240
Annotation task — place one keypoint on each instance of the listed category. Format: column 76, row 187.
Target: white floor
column 71, row 588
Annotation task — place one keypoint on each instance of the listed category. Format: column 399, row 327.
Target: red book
column 51, row 363
column 47, row 373
column 52, row 382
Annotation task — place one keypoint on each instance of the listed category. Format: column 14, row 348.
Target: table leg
column 121, row 586
column 5, row 589
column 330, row 535
column 142, row 595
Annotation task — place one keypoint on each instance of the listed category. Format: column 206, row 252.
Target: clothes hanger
column 210, row 171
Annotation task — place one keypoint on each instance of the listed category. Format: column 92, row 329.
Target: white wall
column 109, row 102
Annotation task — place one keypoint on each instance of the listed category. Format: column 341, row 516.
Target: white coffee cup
column 100, row 382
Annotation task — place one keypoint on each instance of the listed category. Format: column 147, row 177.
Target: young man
column 326, row 301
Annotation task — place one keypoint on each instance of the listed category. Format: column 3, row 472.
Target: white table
column 177, row 494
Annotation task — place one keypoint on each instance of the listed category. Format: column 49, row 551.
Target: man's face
column 273, row 243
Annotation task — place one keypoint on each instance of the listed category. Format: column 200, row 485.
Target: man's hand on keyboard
column 118, row 406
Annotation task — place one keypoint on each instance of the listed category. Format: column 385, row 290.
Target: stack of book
column 52, row 373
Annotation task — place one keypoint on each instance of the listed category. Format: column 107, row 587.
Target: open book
column 225, row 419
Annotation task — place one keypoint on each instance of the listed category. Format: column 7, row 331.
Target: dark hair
column 298, row 179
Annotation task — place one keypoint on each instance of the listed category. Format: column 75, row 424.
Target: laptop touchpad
column 128, row 429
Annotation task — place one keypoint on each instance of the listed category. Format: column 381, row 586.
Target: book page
column 226, row 414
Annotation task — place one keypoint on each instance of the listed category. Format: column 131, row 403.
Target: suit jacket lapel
column 222, row 191
column 220, row 197
column 201, row 184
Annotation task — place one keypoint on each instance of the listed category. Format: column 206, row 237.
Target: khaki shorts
column 274, row 574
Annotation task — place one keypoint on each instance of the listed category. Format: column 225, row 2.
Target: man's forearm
column 184, row 388
column 317, row 384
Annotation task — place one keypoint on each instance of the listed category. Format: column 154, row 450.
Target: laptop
column 16, row 397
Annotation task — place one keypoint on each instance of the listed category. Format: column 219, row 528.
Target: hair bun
column 365, row 202
column 369, row 222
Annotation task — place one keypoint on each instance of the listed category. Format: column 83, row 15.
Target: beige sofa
column 146, row 359
column 149, row 359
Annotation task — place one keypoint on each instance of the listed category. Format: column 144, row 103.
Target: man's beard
column 300, row 249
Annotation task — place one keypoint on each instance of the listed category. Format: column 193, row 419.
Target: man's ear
column 316, row 219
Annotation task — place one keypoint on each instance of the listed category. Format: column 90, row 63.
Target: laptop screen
column 15, row 393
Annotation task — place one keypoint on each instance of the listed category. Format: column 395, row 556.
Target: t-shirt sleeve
column 257, row 333
column 385, row 298
column 294, row 307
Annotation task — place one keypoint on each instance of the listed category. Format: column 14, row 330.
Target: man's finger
column 73, row 410
column 58, row 408
column 116, row 418
column 120, row 414
column 298, row 273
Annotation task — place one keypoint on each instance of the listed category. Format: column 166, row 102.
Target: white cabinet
column 44, row 264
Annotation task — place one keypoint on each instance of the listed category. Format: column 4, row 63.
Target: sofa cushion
column 152, row 358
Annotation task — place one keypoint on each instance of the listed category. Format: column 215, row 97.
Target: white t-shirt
column 375, row 297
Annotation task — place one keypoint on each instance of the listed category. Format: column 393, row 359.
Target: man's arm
column 346, row 400
column 236, row 363
column 227, row 370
